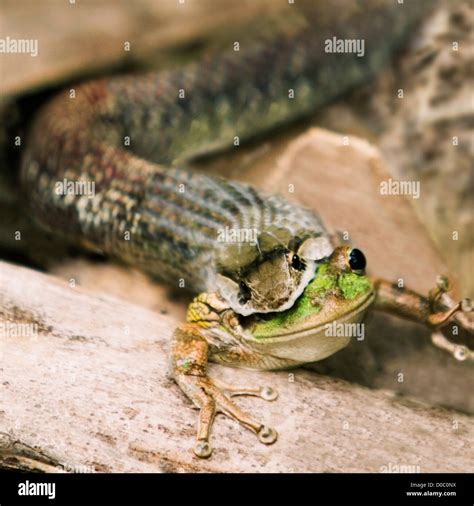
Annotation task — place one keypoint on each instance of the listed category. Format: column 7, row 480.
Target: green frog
column 322, row 321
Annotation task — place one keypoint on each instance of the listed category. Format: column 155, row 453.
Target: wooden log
column 84, row 387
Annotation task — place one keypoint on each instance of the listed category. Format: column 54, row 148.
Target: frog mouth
column 316, row 330
column 308, row 331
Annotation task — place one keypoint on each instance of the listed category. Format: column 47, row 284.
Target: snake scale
column 132, row 135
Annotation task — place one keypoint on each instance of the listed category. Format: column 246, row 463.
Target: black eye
column 296, row 263
column 357, row 260
column 245, row 293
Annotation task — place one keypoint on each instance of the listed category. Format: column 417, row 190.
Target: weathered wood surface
column 90, row 37
column 89, row 390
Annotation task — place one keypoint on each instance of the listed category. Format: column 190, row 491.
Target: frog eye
column 244, row 293
column 297, row 263
column 357, row 260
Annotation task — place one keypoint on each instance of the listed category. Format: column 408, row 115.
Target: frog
column 323, row 320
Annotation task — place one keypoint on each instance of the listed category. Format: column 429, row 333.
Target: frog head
column 339, row 294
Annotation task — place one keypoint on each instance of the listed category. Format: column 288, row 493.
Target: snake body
column 131, row 135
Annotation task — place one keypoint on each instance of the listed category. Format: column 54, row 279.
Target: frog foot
column 210, row 399
column 189, row 354
column 452, row 311
column 459, row 351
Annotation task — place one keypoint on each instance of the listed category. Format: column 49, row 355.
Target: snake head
column 274, row 274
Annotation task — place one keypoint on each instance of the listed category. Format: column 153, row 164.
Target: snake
column 133, row 136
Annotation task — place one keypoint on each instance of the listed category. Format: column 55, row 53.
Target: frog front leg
column 192, row 345
column 434, row 311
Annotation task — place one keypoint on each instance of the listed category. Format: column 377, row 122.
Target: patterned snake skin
column 132, row 135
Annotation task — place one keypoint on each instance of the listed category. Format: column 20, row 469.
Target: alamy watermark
column 392, row 187
column 67, row 187
column 399, row 468
column 19, row 46
column 35, row 488
column 336, row 329
column 335, row 45
column 16, row 329
column 81, row 468
column 236, row 235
